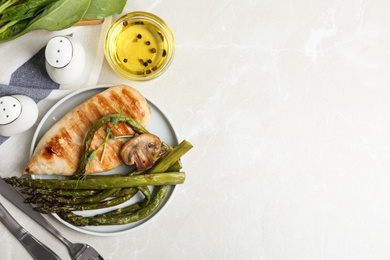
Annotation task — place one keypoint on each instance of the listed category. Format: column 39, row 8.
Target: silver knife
column 11, row 194
column 36, row 249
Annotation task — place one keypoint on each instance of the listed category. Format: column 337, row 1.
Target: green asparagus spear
column 171, row 158
column 48, row 208
column 177, row 166
column 158, row 196
column 73, row 200
column 73, row 193
column 138, row 205
column 170, row 178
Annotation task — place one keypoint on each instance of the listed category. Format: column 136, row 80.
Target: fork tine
column 88, row 253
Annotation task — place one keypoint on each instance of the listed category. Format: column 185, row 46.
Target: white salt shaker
column 18, row 113
column 65, row 59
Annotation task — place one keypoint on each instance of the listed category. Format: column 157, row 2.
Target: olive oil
column 139, row 48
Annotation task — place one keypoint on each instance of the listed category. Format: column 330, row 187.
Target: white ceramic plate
column 159, row 125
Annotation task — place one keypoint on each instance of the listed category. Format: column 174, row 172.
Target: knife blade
column 36, row 249
column 11, row 194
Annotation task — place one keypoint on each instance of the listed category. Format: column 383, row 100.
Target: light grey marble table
column 287, row 106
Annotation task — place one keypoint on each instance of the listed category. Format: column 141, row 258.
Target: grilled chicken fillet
column 60, row 149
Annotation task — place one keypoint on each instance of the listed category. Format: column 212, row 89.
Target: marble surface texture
column 287, row 106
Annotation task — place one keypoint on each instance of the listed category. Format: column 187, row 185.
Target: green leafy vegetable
column 103, row 8
column 7, row 4
column 24, row 10
column 20, row 17
column 63, row 14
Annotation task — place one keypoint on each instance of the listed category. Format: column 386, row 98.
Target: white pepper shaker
column 65, row 59
column 18, row 113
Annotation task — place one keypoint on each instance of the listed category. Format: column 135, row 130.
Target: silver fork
column 78, row 251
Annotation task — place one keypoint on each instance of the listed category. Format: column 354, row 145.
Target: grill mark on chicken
column 108, row 109
column 127, row 103
column 66, row 140
column 113, row 146
column 66, row 136
column 94, row 116
column 62, row 146
column 105, row 105
column 114, row 97
column 116, row 156
column 85, row 121
column 53, row 147
column 95, row 113
column 108, row 160
column 135, row 110
column 75, row 128
column 122, row 128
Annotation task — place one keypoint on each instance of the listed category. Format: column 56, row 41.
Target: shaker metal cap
column 59, row 52
column 17, row 114
column 10, row 109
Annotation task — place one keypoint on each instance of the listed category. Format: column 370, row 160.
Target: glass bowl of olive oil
column 139, row 46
